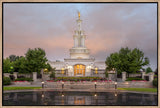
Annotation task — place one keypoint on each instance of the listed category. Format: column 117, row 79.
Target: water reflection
column 78, row 98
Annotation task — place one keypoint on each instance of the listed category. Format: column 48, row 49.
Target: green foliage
column 106, row 73
column 155, row 82
column 6, row 81
column 139, row 89
column 12, row 58
column 48, row 66
column 20, row 88
column 148, row 70
column 24, row 79
column 52, row 75
column 20, row 65
column 130, row 79
column 7, row 66
column 36, row 59
column 127, row 60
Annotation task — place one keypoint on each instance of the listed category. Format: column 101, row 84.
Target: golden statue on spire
column 79, row 14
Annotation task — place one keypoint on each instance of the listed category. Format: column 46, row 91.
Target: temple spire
column 79, row 15
column 79, row 50
column 79, row 21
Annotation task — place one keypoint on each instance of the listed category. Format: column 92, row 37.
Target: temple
column 80, row 63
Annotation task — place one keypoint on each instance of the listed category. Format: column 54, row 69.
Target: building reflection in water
column 78, row 98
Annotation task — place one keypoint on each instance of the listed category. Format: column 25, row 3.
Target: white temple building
column 80, row 63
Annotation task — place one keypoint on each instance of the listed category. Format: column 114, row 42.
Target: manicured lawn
column 20, row 88
column 139, row 89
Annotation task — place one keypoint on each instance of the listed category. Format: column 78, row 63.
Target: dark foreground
column 78, row 98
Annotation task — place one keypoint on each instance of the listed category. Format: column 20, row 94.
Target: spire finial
column 79, row 14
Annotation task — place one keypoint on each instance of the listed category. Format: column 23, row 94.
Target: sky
column 108, row 27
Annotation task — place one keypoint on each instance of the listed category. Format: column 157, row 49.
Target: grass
column 20, row 88
column 139, row 89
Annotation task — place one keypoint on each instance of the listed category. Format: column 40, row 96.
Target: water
column 78, row 98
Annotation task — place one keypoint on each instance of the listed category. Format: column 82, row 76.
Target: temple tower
column 79, row 51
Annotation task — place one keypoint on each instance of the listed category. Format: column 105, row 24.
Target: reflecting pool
column 78, row 98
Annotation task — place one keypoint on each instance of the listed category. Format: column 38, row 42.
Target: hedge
column 6, row 81
column 24, row 79
column 155, row 82
column 130, row 79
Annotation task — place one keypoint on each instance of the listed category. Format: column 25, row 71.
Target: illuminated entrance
column 79, row 70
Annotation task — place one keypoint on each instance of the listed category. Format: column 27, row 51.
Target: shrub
column 6, row 81
column 130, row 79
column 52, row 75
column 24, row 79
column 106, row 74
column 155, row 82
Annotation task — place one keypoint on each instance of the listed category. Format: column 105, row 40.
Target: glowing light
column 89, row 67
column 69, row 67
column 113, row 69
column 42, row 82
column 62, row 71
column 42, row 95
column 115, row 94
column 96, row 70
column 45, row 70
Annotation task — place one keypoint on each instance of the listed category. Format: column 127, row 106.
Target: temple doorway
column 79, row 70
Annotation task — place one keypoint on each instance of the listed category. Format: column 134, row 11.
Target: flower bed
column 21, row 83
column 80, row 81
column 78, row 78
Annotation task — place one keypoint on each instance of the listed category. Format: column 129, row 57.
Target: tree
column 12, row 58
column 127, row 60
column 20, row 65
column 35, row 59
column 7, row 66
column 48, row 66
column 148, row 70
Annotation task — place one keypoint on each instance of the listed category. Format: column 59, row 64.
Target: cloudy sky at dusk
column 108, row 27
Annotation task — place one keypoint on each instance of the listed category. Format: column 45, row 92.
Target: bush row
column 6, row 81
column 155, row 82
column 23, row 79
column 131, row 78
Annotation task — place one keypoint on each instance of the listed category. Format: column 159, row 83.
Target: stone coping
column 80, row 90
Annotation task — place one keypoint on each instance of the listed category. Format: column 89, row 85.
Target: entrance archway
column 79, row 70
